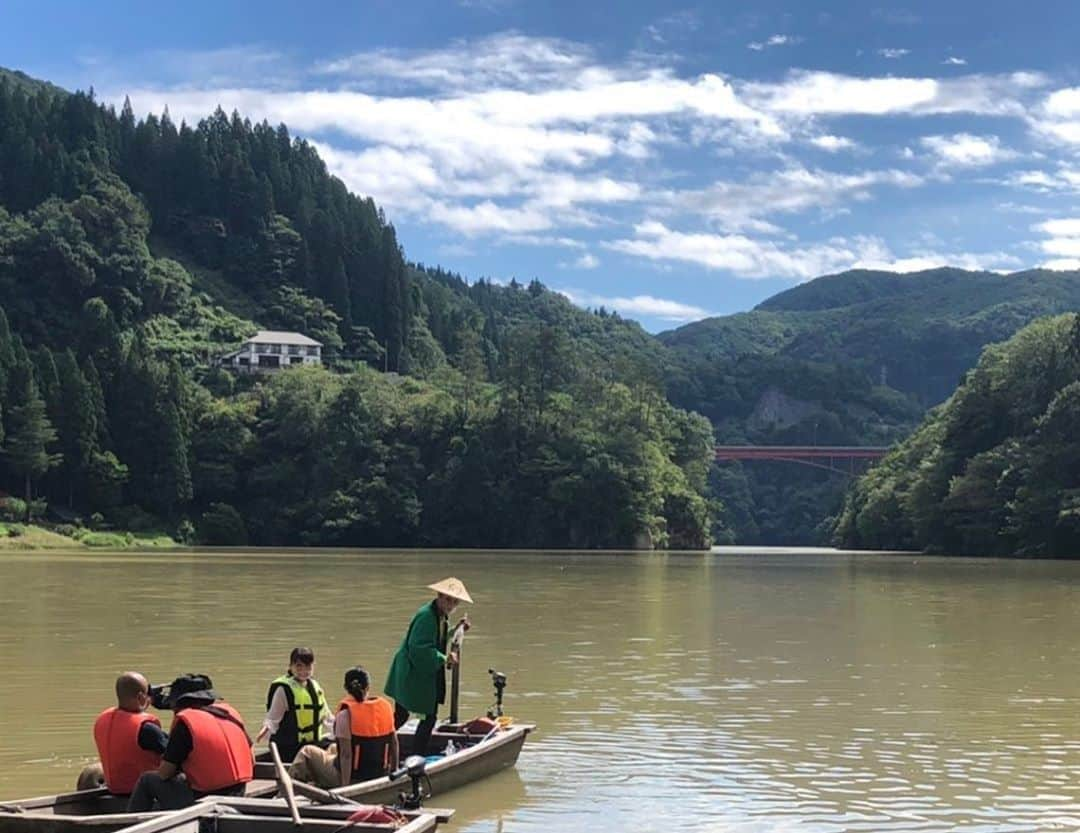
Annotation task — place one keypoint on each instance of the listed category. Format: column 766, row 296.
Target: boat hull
column 463, row 767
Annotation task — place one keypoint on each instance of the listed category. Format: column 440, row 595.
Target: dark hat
column 191, row 687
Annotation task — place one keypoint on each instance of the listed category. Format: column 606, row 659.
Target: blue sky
column 670, row 161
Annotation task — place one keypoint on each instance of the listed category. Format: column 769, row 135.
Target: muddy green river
column 748, row 692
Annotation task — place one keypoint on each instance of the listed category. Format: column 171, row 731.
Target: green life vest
column 302, row 722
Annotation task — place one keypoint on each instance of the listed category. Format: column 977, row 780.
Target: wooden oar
column 456, row 639
column 321, row 795
column 285, row 782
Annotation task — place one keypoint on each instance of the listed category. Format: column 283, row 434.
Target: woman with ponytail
column 367, row 744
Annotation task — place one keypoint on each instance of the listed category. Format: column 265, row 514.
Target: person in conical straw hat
column 417, row 678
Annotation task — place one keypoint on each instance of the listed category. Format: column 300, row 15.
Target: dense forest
column 132, row 253
column 849, row 359
column 995, row 470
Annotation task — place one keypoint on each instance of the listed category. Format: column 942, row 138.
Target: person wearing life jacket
column 128, row 739
column 209, row 750
column 367, row 744
column 417, row 678
column 296, row 710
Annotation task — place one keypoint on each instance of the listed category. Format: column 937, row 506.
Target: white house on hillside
column 270, row 350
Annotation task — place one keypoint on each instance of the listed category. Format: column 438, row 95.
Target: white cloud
column 746, row 257
column 1065, row 246
column 224, row 66
column 585, row 262
column 1063, row 264
column 506, row 59
column 522, row 138
column 1058, row 118
column 990, row 262
column 674, row 26
column 544, row 240
column 965, row 150
column 774, row 40
column 1063, row 242
column 486, row 216
column 806, row 93
column 741, row 206
column 1068, row 227
column 646, row 305
column 1065, row 178
column 1039, row 180
column 953, row 61
column 1063, row 103
column 893, row 54
column 832, row 144
column 485, row 156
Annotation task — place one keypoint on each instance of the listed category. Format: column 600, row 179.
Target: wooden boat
column 98, row 811
column 476, row 757
column 213, row 814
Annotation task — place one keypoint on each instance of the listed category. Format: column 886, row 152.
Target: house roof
column 282, row 337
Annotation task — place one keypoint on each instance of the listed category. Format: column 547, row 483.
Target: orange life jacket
column 372, row 727
column 116, row 733
column 220, row 750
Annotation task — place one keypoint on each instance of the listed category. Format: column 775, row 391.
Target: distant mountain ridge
column 851, row 359
column 28, row 84
column 916, row 332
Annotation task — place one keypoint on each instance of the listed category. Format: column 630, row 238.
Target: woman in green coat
column 417, row 679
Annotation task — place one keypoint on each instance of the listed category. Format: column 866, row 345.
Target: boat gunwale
column 517, row 732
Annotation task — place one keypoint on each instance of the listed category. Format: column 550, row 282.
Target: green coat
column 417, row 679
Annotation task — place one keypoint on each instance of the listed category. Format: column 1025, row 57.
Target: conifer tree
column 171, row 476
column 29, row 435
column 76, row 423
column 97, row 402
column 7, row 355
column 48, row 381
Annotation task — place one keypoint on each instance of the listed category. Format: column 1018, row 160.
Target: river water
column 747, row 692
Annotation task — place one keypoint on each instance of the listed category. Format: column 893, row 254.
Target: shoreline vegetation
column 21, row 537
column 995, row 470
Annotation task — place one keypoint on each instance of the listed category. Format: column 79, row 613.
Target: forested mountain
column 917, row 333
column 133, row 252
column 848, row 359
column 995, row 470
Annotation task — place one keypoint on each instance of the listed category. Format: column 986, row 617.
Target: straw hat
column 452, row 587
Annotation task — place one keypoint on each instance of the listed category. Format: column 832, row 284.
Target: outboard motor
column 498, row 679
column 416, row 768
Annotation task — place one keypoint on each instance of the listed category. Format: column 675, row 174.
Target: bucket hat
column 191, row 687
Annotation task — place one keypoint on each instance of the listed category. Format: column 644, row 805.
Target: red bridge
column 819, row 456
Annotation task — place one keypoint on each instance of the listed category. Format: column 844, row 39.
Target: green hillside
column 132, row 253
column 848, row 359
column 995, row 470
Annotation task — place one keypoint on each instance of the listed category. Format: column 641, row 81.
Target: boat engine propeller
column 498, row 679
column 415, row 767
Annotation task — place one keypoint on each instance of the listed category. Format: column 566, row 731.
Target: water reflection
column 763, row 692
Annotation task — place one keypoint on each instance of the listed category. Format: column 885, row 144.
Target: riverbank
column 14, row 536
